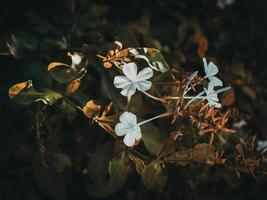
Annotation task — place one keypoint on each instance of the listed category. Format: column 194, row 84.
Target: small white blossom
column 133, row 80
column 223, row 3
column 211, row 70
column 240, row 124
column 76, row 58
column 262, row 146
column 129, row 128
column 212, row 97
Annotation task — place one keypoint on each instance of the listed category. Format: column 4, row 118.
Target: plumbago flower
column 128, row 128
column 212, row 97
column 211, row 70
column 133, row 80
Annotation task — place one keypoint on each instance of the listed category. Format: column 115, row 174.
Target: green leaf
column 58, row 159
column 168, row 147
column 118, row 171
column 37, row 71
column 65, row 73
column 50, row 184
column 68, row 109
column 181, row 157
column 153, row 138
column 135, row 104
column 112, row 93
column 153, row 176
column 25, row 94
column 153, row 58
column 99, row 161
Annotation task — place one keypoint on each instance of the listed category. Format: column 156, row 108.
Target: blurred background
column 232, row 33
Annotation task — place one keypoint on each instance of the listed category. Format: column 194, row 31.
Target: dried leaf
column 168, row 147
column 91, row 109
column 56, row 64
column 203, row 153
column 228, row 97
column 181, row 157
column 73, row 86
column 203, row 45
column 15, row 89
column 139, row 163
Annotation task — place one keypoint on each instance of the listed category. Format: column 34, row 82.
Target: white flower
column 132, row 81
column 240, row 124
column 128, row 128
column 262, row 146
column 76, row 58
column 222, row 3
column 212, row 97
column 211, row 70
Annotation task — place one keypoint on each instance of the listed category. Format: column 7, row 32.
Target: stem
column 78, row 107
column 156, row 117
column 196, row 97
column 186, row 89
column 155, row 98
column 187, row 97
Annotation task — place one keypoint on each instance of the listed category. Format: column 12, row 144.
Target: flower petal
column 130, row 70
column 215, row 81
column 143, row 85
column 214, row 104
column 205, row 64
column 121, row 81
column 121, row 129
column 144, row 74
column 75, row 58
column 128, row 90
column 211, row 69
column 137, row 132
column 129, row 140
column 128, row 118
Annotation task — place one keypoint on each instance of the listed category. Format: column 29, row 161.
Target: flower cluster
column 133, row 80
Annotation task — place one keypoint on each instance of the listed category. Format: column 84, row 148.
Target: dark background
column 45, row 30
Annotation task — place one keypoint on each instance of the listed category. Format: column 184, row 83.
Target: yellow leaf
column 107, row 65
column 55, row 64
column 91, row 109
column 15, row 89
column 73, row 86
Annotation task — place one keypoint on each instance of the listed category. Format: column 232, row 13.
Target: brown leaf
column 181, row 157
column 55, row 64
column 91, row 109
column 204, row 153
column 168, row 147
column 203, row 45
column 139, row 163
column 249, row 92
column 228, row 97
column 73, row 86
